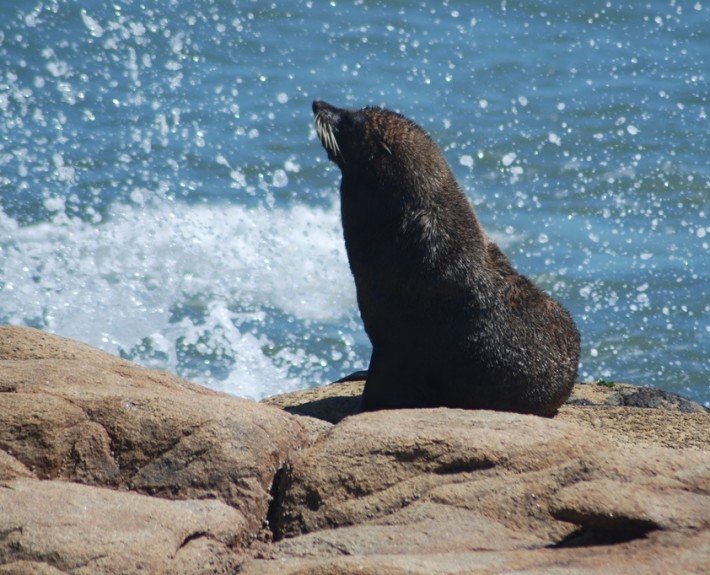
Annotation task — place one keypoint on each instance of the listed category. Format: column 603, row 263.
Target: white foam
column 128, row 280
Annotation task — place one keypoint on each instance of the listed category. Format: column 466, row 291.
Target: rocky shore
column 107, row 467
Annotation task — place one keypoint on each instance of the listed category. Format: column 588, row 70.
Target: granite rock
column 158, row 458
column 107, row 467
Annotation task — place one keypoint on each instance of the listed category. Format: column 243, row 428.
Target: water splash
column 192, row 289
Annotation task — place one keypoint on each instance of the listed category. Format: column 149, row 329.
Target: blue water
column 163, row 194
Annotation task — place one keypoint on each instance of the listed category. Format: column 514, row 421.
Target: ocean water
column 163, row 194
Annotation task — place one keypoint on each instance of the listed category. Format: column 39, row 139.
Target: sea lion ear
column 383, row 144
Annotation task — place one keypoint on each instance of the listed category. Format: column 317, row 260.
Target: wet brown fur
column 450, row 320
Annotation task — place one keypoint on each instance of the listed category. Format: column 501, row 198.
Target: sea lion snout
column 320, row 105
column 324, row 110
column 327, row 120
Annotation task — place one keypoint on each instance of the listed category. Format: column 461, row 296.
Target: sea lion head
column 370, row 138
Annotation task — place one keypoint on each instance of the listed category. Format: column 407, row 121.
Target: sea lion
column 451, row 322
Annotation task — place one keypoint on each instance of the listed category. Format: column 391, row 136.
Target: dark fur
column 450, row 321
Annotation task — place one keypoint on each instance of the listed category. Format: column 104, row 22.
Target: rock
column 451, row 491
column 376, row 464
column 83, row 529
column 329, row 403
column 663, row 418
column 71, row 413
column 106, row 467
column 622, row 394
column 639, row 415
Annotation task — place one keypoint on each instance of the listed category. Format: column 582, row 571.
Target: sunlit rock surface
column 601, row 488
column 106, row 467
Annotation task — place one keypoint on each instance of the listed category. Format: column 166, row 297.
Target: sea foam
column 208, row 291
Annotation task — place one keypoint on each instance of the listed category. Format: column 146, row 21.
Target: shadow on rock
column 330, row 409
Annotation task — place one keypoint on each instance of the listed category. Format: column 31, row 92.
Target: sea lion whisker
column 322, row 130
column 326, row 135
